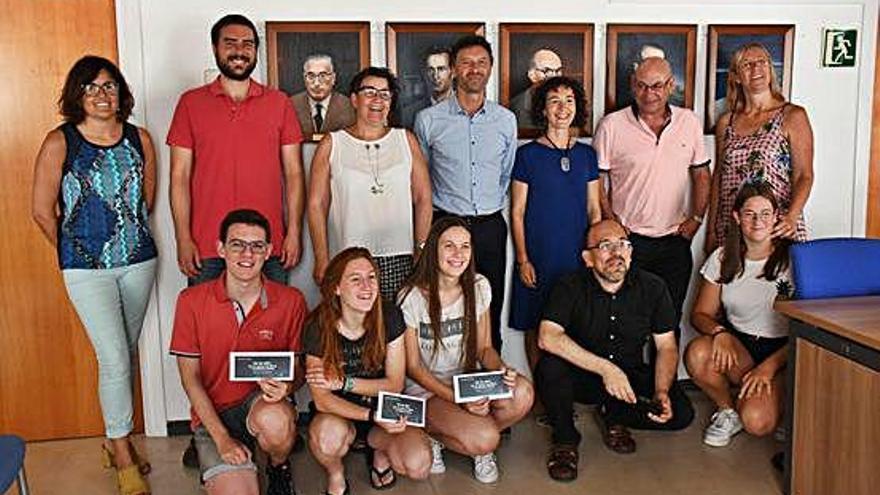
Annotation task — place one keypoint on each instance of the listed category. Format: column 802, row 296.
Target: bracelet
column 720, row 329
column 348, row 384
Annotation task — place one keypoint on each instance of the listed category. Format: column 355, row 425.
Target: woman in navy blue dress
column 554, row 198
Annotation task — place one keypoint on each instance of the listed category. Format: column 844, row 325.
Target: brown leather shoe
column 562, row 464
column 615, row 437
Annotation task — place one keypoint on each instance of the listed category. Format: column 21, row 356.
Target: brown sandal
column 562, row 464
column 618, row 439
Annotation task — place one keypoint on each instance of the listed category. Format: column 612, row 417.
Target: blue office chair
column 837, row 267
column 12, row 463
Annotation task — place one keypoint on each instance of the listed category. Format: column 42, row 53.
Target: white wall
column 164, row 49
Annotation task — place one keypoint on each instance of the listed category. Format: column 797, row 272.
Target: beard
column 614, row 271
column 227, row 70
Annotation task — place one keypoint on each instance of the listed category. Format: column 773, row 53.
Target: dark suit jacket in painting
column 521, row 106
column 339, row 114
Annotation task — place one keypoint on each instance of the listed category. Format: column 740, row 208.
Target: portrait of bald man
column 545, row 63
column 319, row 108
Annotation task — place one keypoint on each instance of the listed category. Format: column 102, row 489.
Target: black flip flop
column 380, row 475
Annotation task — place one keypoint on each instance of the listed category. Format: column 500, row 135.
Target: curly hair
column 539, row 100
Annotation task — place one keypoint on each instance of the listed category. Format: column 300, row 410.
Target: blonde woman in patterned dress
column 762, row 138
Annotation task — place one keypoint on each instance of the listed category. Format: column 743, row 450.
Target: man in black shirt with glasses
column 594, row 330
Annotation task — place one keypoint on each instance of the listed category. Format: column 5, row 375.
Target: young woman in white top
column 445, row 307
column 744, row 341
column 369, row 186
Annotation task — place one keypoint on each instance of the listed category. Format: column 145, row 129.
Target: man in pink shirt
column 234, row 144
column 657, row 177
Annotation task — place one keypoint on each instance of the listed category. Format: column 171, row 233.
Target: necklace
column 564, row 161
column 377, row 187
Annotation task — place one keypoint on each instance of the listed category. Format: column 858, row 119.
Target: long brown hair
column 426, row 277
column 732, row 264
column 329, row 311
column 736, row 97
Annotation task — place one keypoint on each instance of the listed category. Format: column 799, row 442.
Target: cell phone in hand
column 646, row 405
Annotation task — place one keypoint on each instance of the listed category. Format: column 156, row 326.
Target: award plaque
column 393, row 406
column 254, row 366
column 472, row 387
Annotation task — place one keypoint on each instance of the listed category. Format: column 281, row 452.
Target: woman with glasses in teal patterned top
column 94, row 184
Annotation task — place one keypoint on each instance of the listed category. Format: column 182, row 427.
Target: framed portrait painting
column 418, row 53
column 629, row 44
column 313, row 63
column 723, row 43
column 532, row 53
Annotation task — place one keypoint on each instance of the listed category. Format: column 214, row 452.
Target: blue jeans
column 111, row 304
column 213, row 268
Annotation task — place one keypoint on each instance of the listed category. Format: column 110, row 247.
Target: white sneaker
column 486, row 468
column 437, row 464
column 725, row 424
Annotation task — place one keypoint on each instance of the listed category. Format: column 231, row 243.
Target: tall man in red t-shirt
column 234, row 144
column 239, row 311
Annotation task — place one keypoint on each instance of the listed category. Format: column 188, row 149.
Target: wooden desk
column 833, row 409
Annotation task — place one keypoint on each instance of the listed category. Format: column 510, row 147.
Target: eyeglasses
column 373, row 92
column 109, row 88
column 610, row 246
column 321, row 77
column 753, row 216
column 238, row 246
column 752, row 64
column 550, row 71
column 655, row 88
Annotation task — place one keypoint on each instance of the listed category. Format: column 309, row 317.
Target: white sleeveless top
column 371, row 198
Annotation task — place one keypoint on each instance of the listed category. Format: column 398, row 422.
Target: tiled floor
column 665, row 464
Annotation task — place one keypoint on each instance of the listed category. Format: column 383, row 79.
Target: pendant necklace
column 564, row 161
column 377, row 187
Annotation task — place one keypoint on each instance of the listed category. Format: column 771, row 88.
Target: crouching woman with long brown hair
column 446, row 308
column 354, row 350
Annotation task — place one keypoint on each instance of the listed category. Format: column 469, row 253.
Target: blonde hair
column 736, row 98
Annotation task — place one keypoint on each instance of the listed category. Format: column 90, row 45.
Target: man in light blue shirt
column 471, row 145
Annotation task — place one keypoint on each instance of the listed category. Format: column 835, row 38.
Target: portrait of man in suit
column 545, row 63
column 437, row 77
column 319, row 108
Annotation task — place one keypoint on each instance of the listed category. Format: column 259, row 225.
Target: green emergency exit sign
column 840, row 48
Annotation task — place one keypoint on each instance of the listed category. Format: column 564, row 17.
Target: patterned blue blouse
column 103, row 212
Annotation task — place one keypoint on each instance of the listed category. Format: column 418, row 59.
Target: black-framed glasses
column 610, row 246
column 238, row 246
column 656, row 87
column 108, row 87
column 374, row 92
column 550, row 71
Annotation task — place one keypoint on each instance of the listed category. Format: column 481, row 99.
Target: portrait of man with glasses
column 319, row 108
column 545, row 63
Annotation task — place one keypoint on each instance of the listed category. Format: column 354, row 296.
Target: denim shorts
column 235, row 420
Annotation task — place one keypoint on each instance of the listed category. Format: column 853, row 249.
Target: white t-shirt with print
column 448, row 360
column 748, row 299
